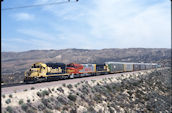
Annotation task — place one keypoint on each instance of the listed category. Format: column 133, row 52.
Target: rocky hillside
column 15, row 63
column 145, row 91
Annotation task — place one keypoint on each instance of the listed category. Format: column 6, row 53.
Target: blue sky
column 87, row 24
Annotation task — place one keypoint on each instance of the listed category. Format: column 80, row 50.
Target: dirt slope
column 148, row 91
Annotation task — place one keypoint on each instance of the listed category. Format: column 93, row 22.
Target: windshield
column 34, row 66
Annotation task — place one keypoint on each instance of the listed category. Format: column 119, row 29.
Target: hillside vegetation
column 148, row 91
column 15, row 63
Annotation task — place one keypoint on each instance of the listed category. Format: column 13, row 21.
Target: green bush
column 10, row 96
column 24, row 107
column 76, row 85
column 93, row 81
column 45, row 92
column 41, row 107
column 60, row 89
column 72, row 97
column 69, row 86
column 91, row 110
column 8, row 101
column 32, row 88
column 25, row 90
column 28, row 100
column 9, row 109
column 64, row 85
column 39, row 94
column 3, row 96
column 47, row 111
column 21, row 101
column 46, row 102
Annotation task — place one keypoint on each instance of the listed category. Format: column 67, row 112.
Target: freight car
column 79, row 70
column 115, row 67
column 55, row 71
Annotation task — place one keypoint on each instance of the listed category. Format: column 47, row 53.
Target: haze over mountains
column 17, row 62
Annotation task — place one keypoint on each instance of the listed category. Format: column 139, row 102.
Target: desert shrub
column 28, row 100
column 47, row 111
column 52, row 99
column 60, row 89
column 21, row 101
column 24, row 107
column 32, row 88
column 72, row 97
column 41, row 107
column 64, row 85
column 91, row 110
column 46, row 102
column 3, row 96
column 69, row 86
column 11, row 96
column 45, row 92
column 86, row 82
column 62, row 100
column 9, row 109
column 31, row 111
column 57, row 105
column 76, row 85
column 25, row 90
column 82, row 81
column 109, row 87
column 65, row 108
column 98, row 84
column 73, row 111
column 39, row 94
column 8, row 101
column 84, row 89
column 93, row 81
column 98, row 98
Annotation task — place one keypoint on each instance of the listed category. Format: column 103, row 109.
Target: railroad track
column 12, row 85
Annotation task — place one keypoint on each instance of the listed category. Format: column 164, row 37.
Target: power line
column 37, row 5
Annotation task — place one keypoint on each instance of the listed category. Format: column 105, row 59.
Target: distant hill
column 15, row 63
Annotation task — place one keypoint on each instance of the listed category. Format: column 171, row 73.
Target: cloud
column 129, row 23
column 24, row 16
column 112, row 23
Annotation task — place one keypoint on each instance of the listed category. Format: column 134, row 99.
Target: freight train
column 56, row 71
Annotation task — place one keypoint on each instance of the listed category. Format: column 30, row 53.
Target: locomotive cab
column 36, row 70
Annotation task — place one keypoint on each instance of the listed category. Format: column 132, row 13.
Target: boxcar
column 148, row 66
column 115, row 67
column 88, row 68
column 136, row 67
column 100, row 67
column 128, row 67
column 154, row 66
column 142, row 66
